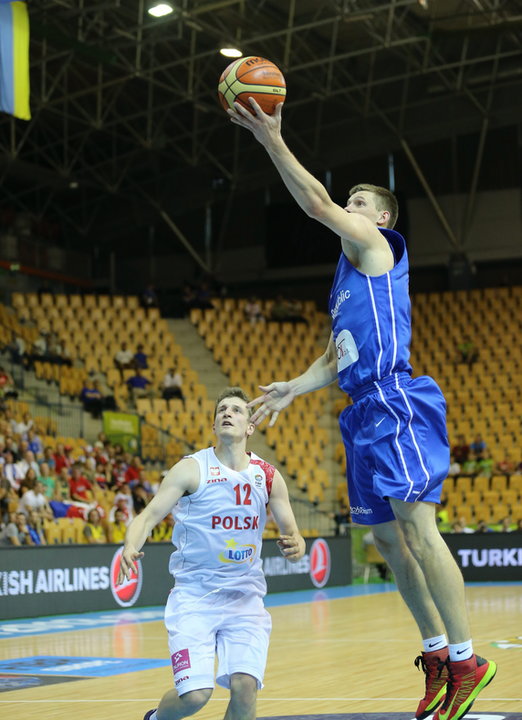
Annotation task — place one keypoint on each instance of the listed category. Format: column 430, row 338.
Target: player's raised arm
column 291, row 543
column 308, row 192
column 182, row 478
column 278, row 395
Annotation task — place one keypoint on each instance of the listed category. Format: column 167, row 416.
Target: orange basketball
column 252, row 77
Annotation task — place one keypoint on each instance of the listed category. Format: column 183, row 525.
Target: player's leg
column 442, row 576
column 468, row 673
column 243, row 696
column 409, row 578
column 242, row 649
column 174, row 707
column 390, row 542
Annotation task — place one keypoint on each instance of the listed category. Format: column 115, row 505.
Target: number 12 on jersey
column 244, row 490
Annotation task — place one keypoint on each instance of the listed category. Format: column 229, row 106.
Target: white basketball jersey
column 218, row 530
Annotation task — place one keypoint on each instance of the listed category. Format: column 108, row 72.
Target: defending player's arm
column 278, row 395
column 182, row 478
column 308, row 192
column 291, row 543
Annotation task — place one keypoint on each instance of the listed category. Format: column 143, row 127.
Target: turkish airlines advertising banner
column 485, row 557
column 61, row 579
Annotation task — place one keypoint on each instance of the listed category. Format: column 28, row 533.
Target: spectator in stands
column 483, row 527
column 48, row 457
column 11, row 471
column 8, row 497
column 124, row 359
column 464, row 525
column 507, row 465
column 39, row 348
column 140, row 359
column 35, row 526
column 118, row 528
column 48, row 481
column 56, row 351
column 506, row 524
column 342, row 519
column 172, row 384
column 60, row 459
column 485, row 465
column 35, row 443
column 80, row 487
column 188, row 298
column 35, row 499
column 518, row 527
column 132, row 473
column 253, row 311
column 28, row 461
column 22, row 427
column 162, row 532
column 140, row 498
column 9, row 531
column 477, row 447
column 461, row 450
column 23, row 534
column 281, row 310
column 18, row 351
column 94, row 532
column 92, row 399
column 203, row 297
column 123, row 501
column 467, row 351
column 7, row 385
column 149, row 298
column 454, row 468
column 139, row 386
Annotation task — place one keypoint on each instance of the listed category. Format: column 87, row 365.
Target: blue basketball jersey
column 371, row 319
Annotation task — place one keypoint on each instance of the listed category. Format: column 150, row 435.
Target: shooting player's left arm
column 291, row 543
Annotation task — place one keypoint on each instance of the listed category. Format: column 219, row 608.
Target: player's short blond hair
column 233, row 391
column 384, row 200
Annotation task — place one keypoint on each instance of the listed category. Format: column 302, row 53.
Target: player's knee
column 243, row 689
column 194, row 700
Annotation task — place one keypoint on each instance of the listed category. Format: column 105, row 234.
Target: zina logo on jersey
column 237, row 554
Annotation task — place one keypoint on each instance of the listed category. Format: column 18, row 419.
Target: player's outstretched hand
column 292, row 547
column 128, row 563
column 276, row 397
column 265, row 128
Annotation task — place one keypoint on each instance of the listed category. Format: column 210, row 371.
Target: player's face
column 233, row 419
column 363, row 203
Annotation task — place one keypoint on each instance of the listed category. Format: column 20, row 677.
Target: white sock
column 435, row 643
column 460, row 651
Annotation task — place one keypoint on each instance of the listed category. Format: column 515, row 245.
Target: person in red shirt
column 60, row 460
column 81, row 488
column 132, row 473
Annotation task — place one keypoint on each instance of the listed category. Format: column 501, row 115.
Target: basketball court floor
column 336, row 654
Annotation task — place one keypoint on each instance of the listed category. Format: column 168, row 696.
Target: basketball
column 252, row 77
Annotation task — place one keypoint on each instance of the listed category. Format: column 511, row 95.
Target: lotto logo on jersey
column 214, row 471
column 237, row 554
column 320, row 563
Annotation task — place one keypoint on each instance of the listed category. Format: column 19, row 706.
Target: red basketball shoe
column 466, row 679
column 435, row 669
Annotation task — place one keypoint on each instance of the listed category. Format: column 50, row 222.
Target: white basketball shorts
column 231, row 624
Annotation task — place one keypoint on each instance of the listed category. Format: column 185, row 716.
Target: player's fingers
column 273, row 419
column 242, row 110
column 256, row 401
column 256, row 106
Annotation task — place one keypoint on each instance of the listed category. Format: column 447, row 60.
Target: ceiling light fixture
column 231, row 52
column 159, row 9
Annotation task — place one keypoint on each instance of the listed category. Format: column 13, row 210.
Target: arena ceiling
column 125, row 114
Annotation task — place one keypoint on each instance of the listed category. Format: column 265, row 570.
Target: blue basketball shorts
column 396, row 445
